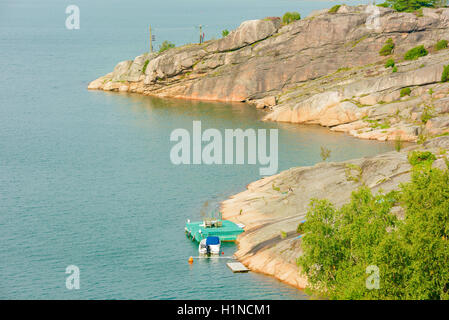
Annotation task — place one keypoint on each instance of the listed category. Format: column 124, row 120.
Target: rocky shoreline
column 272, row 208
column 325, row 69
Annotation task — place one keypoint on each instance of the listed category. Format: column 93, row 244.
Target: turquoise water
column 85, row 177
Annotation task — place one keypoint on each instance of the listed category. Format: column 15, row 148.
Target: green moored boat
column 224, row 229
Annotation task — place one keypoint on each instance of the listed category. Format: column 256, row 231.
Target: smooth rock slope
column 324, row 69
column 275, row 205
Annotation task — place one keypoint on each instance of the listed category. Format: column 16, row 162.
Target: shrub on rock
column 289, row 17
column 389, row 63
column 440, row 45
column 165, row 46
column 405, row 92
column 445, row 75
column 416, row 53
column 387, row 49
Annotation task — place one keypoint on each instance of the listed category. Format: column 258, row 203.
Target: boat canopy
column 212, row 240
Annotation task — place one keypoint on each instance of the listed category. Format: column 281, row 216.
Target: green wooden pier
column 224, row 229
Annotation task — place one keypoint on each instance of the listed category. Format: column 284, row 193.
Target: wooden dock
column 237, row 267
column 224, row 229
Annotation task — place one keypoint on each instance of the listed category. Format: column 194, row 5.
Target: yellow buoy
column 191, row 260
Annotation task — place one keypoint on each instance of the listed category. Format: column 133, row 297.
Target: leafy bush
column 289, row 17
column 415, row 53
column 395, row 69
column 387, row 49
column 440, row 45
column 165, row 46
column 224, row 33
column 334, row 9
column 405, row 92
column 389, row 63
column 337, row 244
column 411, row 255
column 445, row 74
column 421, row 157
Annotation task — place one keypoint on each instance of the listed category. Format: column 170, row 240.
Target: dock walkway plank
column 237, row 267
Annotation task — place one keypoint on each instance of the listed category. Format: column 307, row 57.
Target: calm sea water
column 85, row 177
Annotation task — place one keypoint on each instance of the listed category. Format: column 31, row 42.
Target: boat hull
column 204, row 249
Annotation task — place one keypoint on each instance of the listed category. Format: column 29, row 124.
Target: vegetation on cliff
column 412, row 5
column 440, row 45
column 165, row 46
column 416, row 53
column 445, row 74
column 389, row 63
column 303, row 73
column 289, row 17
column 334, row 9
column 387, row 49
column 409, row 248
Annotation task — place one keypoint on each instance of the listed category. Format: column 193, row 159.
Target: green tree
column 165, row 46
column 425, row 234
column 410, row 5
column 289, row 17
column 224, row 33
column 411, row 254
column 339, row 244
